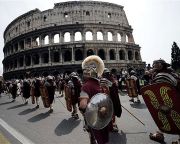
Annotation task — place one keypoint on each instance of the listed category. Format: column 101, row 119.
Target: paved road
column 21, row 123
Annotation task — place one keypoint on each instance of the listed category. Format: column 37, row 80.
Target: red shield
column 44, row 96
column 162, row 100
column 131, row 88
column 68, row 93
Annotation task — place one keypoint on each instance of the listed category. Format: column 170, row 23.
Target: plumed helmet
column 73, row 74
column 49, row 77
column 93, row 65
column 132, row 72
column 106, row 70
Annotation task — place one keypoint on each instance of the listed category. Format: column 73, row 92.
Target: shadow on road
column 27, row 111
column 117, row 138
column 139, row 105
column 5, row 103
column 16, row 106
column 66, row 126
column 39, row 117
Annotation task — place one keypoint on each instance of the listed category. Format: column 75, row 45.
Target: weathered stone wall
column 30, row 38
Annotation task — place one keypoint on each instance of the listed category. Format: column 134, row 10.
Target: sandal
column 158, row 137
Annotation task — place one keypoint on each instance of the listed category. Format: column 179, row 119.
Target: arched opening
column 21, row 44
column 56, row 38
column 21, row 61
column 90, row 52
column 130, row 55
column 67, row 56
column 28, row 60
column 45, row 74
column 110, row 36
column 16, row 47
column 119, row 37
column 99, row 35
column 67, row 37
column 127, row 38
column 101, row 54
column 112, row 54
column 28, row 43
column 35, row 59
column 137, row 56
column 56, row 57
column 121, row 55
column 78, row 55
column 78, row 36
column 45, row 58
column 46, row 40
column 89, row 35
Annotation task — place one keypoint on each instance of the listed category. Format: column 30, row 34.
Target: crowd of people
column 80, row 89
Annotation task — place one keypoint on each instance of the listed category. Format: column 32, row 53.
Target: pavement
column 24, row 124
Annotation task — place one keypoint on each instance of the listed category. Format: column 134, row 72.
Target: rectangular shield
column 162, row 100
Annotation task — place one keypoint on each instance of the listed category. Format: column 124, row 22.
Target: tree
column 175, row 56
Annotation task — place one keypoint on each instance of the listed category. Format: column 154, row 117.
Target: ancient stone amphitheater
column 57, row 40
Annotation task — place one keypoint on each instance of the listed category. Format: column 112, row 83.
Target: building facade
column 57, row 40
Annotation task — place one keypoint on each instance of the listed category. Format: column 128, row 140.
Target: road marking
column 3, row 139
column 15, row 133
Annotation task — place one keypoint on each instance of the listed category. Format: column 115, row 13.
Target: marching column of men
column 96, row 79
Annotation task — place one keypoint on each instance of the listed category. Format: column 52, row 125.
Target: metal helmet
column 99, row 111
column 93, row 66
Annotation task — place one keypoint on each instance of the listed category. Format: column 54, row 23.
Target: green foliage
column 175, row 56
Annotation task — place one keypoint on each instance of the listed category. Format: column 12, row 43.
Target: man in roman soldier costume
column 26, row 88
column 51, row 86
column 164, row 92
column 137, row 85
column 93, row 68
column 110, row 82
column 36, row 85
column 14, row 90
column 75, row 88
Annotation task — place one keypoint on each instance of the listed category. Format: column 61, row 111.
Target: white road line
column 15, row 133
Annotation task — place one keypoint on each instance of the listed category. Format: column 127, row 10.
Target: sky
column 155, row 23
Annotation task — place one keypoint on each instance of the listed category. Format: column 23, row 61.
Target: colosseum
column 57, row 40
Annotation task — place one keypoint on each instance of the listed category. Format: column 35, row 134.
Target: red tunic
column 92, row 87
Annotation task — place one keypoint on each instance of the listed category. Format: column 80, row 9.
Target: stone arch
column 101, row 54
column 35, row 59
column 130, row 55
column 56, row 38
column 89, row 35
column 56, row 56
column 67, row 56
column 90, row 52
column 122, row 55
column 78, row 55
column 99, row 35
column 45, row 57
column 67, row 37
column 78, row 36
column 28, row 60
column 112, row 54
column 109, row 36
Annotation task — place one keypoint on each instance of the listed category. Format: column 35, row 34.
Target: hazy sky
column 155, row 23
